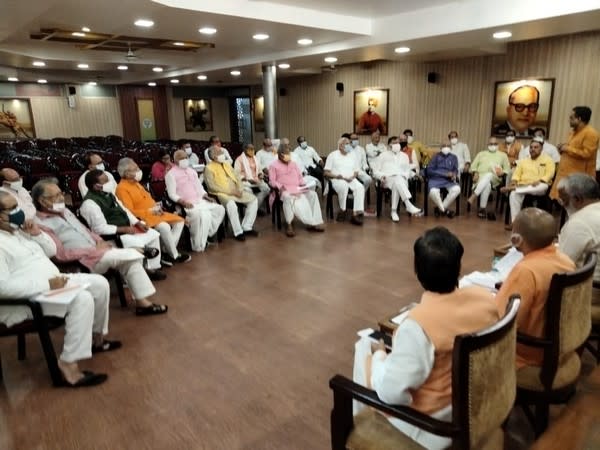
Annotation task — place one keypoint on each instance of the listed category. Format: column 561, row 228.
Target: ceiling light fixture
column 207, row 30
column 202, row 77
column 502, row 34
column 78, row 34
column 92, row 83
column 260, row 36
column 174, row 81
column 284, row 66
column 145, row 23
column 331, row 59
column 85, row 29
column 13, row 79
column 39, row 63
column 305, row 41
column 157, row 69
column 83, row 66
column 122, row 67
column 235, row 73
column 179, row 44
column 42, row 81
column 152, row 84
column 402, row 49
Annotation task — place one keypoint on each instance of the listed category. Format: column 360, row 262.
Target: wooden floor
column 243, row 358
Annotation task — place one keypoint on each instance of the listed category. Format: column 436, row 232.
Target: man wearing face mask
column 342, row 169
column 74, row 242
column 393, row 170
column 375, row 147
column 216, row 142
column 106, row 215
column 310, row 158
column 361, row 158
column 413, row 159
column 442, row 172
column 533, row 235
column 249, row 170
column 461, row 151
column 487, row 169
column 203, row 213
column 266, row 155
column 139, row 201
column 422, row 154
column 26, row 271
column 511, row 147
column 223, row 182
column 93, row 161
column 12, row 183
column 547, row 148
column 194, row 160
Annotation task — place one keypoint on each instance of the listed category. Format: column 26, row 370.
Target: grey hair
column 39, row 189
column 580, row 185
column 211, row 152
column 123, row 165
column 282, row 148
column 340, row 140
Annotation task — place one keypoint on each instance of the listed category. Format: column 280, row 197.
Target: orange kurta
column 580, row 156
column 511, row 150
column 139, row 201
column 530, row 278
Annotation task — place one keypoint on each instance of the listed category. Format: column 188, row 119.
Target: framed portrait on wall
column 522, row 106
column 371, row 110
column 16, row 119
column 198, row 114
column 258, row 105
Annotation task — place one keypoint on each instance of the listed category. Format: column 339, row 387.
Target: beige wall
column 97, row 116
column 462, row 99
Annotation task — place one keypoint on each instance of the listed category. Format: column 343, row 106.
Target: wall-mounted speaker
column 72, row 90
column 432, row 77
column 282, row 92
column 339, row 87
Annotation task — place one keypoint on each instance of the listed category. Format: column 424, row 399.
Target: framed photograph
column 16, row 119
column 522, row 106
column 258, row 104
column 371, row 110
column 198, row 114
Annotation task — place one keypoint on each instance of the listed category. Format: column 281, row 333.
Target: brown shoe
column 341, row 216
column 289, row 232
column 317, row 228
column 356, row 220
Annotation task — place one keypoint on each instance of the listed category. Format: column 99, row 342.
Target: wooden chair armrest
column 532, row 341
column 341, row 384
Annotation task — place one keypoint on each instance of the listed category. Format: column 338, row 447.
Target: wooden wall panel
column 127, row 101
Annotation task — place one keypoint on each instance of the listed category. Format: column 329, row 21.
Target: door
column 240, row 119
column 147, row 124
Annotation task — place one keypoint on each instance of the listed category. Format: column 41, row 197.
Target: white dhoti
column 204, row 221
column 483, row 189
column 150, row 238
column 517, row 196
column 304, row 206
column 169, row 237
column 341, row 187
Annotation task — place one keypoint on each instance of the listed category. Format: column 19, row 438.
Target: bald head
column 9, row 175
column 536, row 228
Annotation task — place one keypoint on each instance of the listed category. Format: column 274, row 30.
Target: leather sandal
column 106, row 346
column 88, row 379
column 151, row 310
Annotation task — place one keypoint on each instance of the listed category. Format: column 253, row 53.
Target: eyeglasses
column 520, row 107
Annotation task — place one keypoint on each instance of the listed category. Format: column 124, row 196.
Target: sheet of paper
column 62, row 296
column 507, row 262
column 487, row 280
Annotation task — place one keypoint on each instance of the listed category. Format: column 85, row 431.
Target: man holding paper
column 26, row 271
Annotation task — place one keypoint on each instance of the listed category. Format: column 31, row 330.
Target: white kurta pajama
column 244, row 169
column 346, row 166
column 25, row 271
column 396, row 169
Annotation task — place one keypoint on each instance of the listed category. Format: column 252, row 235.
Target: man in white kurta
column 250, row 172
column 342, row 169
column 26, row 271
column 547, row 148
column 12, row 183
column 361, row 158
column 94, row 161
column 312, row 161
column 216, row 141
column 461, row 151
column 266, row 155
column 203, row 213
column 375, row 147
column 393, row 170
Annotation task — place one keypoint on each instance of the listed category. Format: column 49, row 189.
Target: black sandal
column 481, row 214
column 106, row 346
column 88, row 379
column 151, row 310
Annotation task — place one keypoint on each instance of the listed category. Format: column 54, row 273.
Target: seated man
column 361, row 159
column 533, row 235
column 487, row 168
column 310, row 158
column 342, row 169
column 547, row 149
column 162, row 166
column 461, row 151
column 187, row 148
column 223, row 182
column 249, row 170
column 26, row 271
column 216, row 141
column 422, row 153
column 418, row 371
column 532, row 176
column 139, row 201
column 512, row 147
column 106, row 215
column 375, row 147
column 74, row 242
column 413, row 158
column 442, row 172
column 203, row 214
column 393, row 170
column 12, row 183
column 266, row 155
column 93, row 161
column 299, row 201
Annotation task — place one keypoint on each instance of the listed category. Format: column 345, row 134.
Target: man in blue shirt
column 442, row 172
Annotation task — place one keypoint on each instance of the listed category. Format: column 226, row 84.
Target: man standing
column 203, row 214
column 342, row 169
column 533, row 235
column 442, row 172
column 223, row 182
column 375, row 147
column 310, row 158
column 93, row 161
column 12, row 183
column 579, row 153
column 250, row 171
column 461, row 151
column 532, row 176
column 521, row 111
column 297, row 199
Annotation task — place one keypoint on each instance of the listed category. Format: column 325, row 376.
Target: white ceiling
column 352, row 30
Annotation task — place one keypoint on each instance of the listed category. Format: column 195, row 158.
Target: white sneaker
column 412, row 209
column 395, row 217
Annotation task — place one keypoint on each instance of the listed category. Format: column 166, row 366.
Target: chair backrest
column 568, row 316
column 484, row 380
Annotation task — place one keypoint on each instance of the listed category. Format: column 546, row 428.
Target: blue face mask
column 348, row 148
column 16, row 217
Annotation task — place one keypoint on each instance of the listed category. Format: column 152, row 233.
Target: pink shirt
column 158, row 171
column 285, row 177
column 183, row 184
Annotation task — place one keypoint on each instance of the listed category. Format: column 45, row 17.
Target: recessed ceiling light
column 144, row 23
column 42, row 81
column 207, row 30
column 284, row 66
column 83, row 66
column 305, row 41
column 260, row 36
column 78, row 33
column 13, row 79
column 92, row 83
column 502, row 34
column 402, row 49
column 122, row 67
column 331, row 59
column 202, row 77
column 179, row 44
column 235, row 73
column 152, row 83
column 157, row 69
column 174, row 81
column 85, row 29
column 39, row 63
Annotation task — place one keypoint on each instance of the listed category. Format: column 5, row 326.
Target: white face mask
column 100, row 167
column 138, row 175
column 348, row 148
column 454, row 141
column 188, row 151
column 445, row 150
column 107, row 187
column 396, row 148
column 410, row 139
column 221, row 158
column 16, row 185
column 303, row 144
column 354, row 142
column 510, row 139
column 184, row 163
column 492, row 148
column 58, row 207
